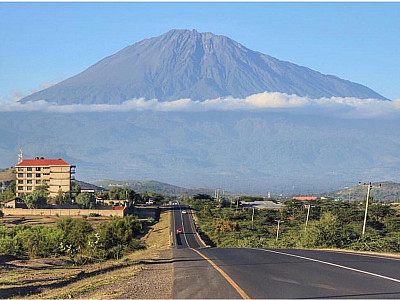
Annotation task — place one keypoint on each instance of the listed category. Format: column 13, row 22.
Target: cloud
column 348, row 107
column 16, row 95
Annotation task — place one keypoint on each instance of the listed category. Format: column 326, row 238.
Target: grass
column 43, row 279
column 45, row 220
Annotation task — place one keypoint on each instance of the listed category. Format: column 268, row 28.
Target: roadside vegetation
column 332, row 224
column 75, row 239
column 60, row 276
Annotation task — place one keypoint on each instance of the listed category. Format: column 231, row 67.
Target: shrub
column 94, row 215
column 40, row 241
column 225, row 226
column 77, row 232
column 118, row 235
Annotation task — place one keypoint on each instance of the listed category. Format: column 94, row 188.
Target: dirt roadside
column 142, row 274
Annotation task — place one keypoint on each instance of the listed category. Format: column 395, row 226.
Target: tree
column 115, row 193
column 75, row 189
column 1, row 214
column 326, row 232
column 35, row 199
column 85, row 199
column 202, row 196
column 9, row 194
column 103, row 195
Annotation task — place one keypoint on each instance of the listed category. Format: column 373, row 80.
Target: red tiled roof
column 305, row 198
column 118, row 207
column 42, row 162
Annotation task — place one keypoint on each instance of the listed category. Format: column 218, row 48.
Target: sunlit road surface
column 276, row 273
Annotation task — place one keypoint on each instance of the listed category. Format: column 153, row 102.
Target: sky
column 44, row 43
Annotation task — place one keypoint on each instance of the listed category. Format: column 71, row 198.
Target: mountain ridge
column 187, row 64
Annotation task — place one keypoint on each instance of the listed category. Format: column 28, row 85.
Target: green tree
column 102, row 194
column 35, row 199
column 60, row 198
column 86, row 200
column 118, row 235
column 326, row 232
column 76, row 230
column 9, row 194
column 116, row 192
column 75, row 189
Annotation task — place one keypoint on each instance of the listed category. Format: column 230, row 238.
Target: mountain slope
column 141, row 186
column 387, row 191
column 188, row 64
column 254, row 152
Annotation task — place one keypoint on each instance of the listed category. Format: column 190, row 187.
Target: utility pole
column 308, row 214
column 366, row 207
column 252, row 219
column 277, row 230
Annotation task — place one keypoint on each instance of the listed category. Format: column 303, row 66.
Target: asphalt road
column 277, row 273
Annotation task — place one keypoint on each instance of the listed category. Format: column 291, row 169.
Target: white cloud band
column 344, row 107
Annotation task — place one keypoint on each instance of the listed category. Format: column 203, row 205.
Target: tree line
column 331, row 224
column 73, row 238
column 40, row 196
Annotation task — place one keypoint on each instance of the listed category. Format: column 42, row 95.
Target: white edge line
column 183, row 227
column 366, row 255
column 331, row 264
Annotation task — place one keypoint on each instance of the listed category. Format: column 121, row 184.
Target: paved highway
column 277, row 273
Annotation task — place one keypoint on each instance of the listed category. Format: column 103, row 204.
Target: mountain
column 141, row 186
column 6, row 177
column 239, row 151
column 188, row 64
column 386, row 191
column 89, row 186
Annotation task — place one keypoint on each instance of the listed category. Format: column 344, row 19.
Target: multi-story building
column 56, row 173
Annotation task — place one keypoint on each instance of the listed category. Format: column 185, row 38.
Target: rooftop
column 42, row 162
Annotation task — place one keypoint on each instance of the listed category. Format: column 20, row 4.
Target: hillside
column 6, row 176
column 153, row 186
column 89, row 186
column 386, row 191
column 183, row 64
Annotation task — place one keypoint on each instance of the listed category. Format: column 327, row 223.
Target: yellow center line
column 226, row 276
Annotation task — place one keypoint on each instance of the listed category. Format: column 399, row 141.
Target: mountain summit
column 188, row 64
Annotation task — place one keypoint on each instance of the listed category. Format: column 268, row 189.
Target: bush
column 117, row 236
column 41, row 241
column 94, row 215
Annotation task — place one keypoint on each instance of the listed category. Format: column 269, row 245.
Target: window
column 46, row 174
column 29, row 169
column 29, row 175
column 29, row 188
column 20, row 175
column 38, row 182
column 20, row 188
column 20, row 181
column 29, row 181
column 38, row 174
column 38, row 169
column 20, row 169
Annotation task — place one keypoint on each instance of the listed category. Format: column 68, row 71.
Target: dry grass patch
column 48, row 278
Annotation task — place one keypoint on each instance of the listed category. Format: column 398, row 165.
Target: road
column 276, row 273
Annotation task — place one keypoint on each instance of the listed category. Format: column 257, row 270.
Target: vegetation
column 9, row 194
column 86, row 200
column 38, row 198
column 332, row 224
column 55, row 278
column 74, row 238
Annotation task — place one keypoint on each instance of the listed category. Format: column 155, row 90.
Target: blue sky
column 48, row 42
